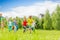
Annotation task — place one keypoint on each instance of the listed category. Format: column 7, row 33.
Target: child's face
column 30, row 17
column 24, row 17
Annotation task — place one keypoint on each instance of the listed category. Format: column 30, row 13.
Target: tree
column 47, row 21
column 53, row 16
column 57, row 18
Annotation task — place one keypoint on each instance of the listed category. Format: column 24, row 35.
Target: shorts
column 10, row 28
column 30, row 27
column 24, row 27
column 27, row 26
column 16, row 27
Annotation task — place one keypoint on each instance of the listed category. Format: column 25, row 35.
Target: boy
column 30, row 21
column 15, row 25
column 33, row 26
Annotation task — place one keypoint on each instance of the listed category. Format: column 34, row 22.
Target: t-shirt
column 9, row 23
column 30, row 21
column 15, row 22
column 25, row 23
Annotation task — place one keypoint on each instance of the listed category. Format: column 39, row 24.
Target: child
column 30, row 21
column 15, row 25
column 2, row 25
column 10, row 25
column 1, row 21
column 33, row 26
column 24, row 24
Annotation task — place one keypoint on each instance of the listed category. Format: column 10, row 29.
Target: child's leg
column 24, row 29
column 16, row 27
column 13, row 28
column 2, row 26
column 33, row 29
column 30, row 29
column 10, row 28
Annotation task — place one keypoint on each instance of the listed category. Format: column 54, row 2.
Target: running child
column 10, row 24
column 15, row 25
column 24, row 24
column 2, row 25
column 30, row 21
column 33, row 26
column 1, row 22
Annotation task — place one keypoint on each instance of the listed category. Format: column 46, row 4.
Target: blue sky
column 26, row 7
column 6, row 5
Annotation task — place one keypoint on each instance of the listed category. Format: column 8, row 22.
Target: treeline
column 48, row 22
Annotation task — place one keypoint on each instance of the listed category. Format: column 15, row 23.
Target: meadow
column 37, row 35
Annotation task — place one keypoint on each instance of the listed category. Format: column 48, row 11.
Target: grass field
column 38, row 35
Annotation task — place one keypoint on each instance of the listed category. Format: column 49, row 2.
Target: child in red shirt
column 24, row 24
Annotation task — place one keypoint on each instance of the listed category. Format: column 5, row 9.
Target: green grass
column 38, row 35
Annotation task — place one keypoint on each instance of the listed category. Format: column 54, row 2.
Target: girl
column 2, row 25
column 10, row 25
column 24, row 24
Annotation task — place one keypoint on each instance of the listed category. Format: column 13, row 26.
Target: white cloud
column 34, row 9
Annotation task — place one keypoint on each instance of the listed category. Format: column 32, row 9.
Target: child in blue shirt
column 15, row 25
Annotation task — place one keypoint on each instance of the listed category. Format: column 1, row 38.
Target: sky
column 20, row 8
